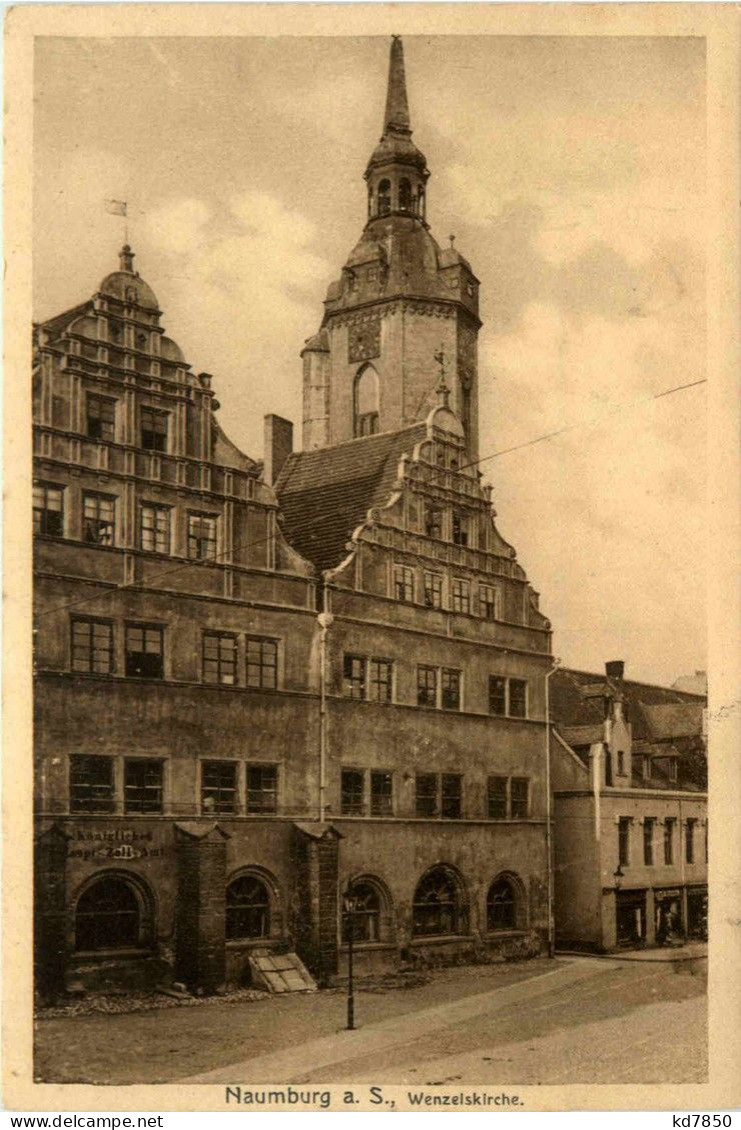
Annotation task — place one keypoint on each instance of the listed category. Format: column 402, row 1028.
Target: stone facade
column 259, row 686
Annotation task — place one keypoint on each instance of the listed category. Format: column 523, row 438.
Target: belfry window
column 384, row 198
column 405, row 196
column 366, row 402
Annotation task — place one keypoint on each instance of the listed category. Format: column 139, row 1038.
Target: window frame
column 103, row 402
column 433, row 589
column 689, row 839
column 269, row 767
column 105, row 802
column 461, row 595
column 460, row 529
column 214, row 634
column 92, row 622
column 350, row 805
column 381, row 802
column 215, row 790
column 404, row 583
column 140, row 806
column 144, row 627
column 160, row 445
column 95, row 525
column 262, row 910
column 157, row 509
column 624, row 837
column 44, row 511
column 519, row 815
column 196, row 541
column 485, row 604
column 505, row 684
column 649, row 825
column 263, row 668
column 670, row 823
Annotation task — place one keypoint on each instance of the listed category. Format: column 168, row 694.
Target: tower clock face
column 364, row 340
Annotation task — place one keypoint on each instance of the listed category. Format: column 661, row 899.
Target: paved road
column 585, row 1021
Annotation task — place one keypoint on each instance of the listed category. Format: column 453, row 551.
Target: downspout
column 549, row 808
column 325, row 622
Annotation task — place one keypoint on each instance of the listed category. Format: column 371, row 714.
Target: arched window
column 384, row 197
column 112, row 913
column 365, row 920
column 501, row 905
column 405, row 196
column 247, row 908
column 421, row 203
column 438, row 907
column 366, row 402
column 370, row 201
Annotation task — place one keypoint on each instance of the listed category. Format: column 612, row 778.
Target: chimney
column 278, row 446
column 615, row 668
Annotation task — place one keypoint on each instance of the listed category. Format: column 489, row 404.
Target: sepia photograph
column 369, row 422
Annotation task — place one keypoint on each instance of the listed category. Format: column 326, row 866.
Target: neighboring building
column 240, row 712
column 694, row 684
column 629, row 772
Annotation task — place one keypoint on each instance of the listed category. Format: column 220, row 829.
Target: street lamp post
column 350, row 902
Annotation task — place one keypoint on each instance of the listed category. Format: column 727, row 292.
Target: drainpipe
column 549, row 807
column 324, row 620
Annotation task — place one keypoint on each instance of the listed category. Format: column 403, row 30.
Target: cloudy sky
column 572, row 173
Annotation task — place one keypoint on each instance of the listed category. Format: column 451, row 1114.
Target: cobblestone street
column 570, row 1020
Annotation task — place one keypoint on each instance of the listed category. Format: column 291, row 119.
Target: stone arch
column 374, row 922
column 254, row 907
column 440, row 904
column 506, row 903
column 113, row 910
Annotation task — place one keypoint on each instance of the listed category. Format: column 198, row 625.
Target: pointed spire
column 396, row 117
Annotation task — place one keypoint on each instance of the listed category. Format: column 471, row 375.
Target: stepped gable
column 325, row 494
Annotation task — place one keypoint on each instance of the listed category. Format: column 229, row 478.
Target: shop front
column 669, row 919
column 630, row 918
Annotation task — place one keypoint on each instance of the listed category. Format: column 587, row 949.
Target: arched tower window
column 366, row 402
column 112, row 913
column 405, row 196
column 370, row 201
column 247, row 908
column 384, row 198
column 439, row 904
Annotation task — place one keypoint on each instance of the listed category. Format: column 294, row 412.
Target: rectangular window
column 689, row 842
column 98, row 518
column 380, row 680
column 497, row 694
column 624, row 840
column 262, row 662
column 460, row 528
column 497, row 798
column 354, row 676
column 648, row 841
column 262, row 788
column 672, row 768
column 382, row 794
column 92, row 645
column 153, row 429
column 90, row 784
column 461, row 595
column 142, row 785
column 101, row 417
column 518, row 698
column 218, row 786
column 48, row 510
column 489, row 603
column 433, row 521
column 669, row 840
column 451, row 796
column 154, row 528
column 427, row 686
column 451, row 688
column 520, row 798
column 201, row 537
column 404, row 583
column 433, row 590
column 353, row 792
column 220, row 658
column 646, row 768
column 425, row 794
column 145, row 651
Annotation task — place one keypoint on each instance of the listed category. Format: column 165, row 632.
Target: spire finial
column 126, row 259
column 397, row 108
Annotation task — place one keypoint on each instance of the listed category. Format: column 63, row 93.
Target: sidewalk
column 691, row 951
column 292, row 1064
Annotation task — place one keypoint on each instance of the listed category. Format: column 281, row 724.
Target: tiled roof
column 672, row 720
column 325, row 494
column 575, row 701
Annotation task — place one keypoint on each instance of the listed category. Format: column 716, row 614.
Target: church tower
column 403, row 315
